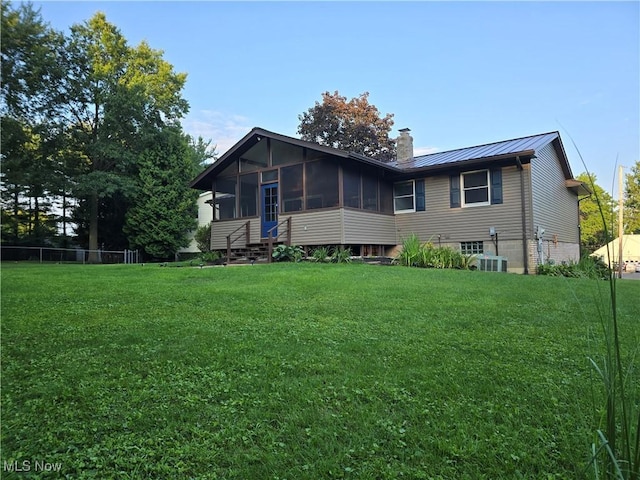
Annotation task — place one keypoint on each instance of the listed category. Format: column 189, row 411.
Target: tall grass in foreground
column 616, row 446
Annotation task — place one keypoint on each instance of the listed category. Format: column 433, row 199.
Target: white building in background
column 630, row 250
column 205, row 216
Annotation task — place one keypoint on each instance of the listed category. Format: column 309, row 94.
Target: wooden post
column 228, row 248
column 248, row 233
column 289, row 231
column 270, row 246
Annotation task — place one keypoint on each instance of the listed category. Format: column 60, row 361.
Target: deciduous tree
column 112, row 95
column 632, row 200
column 592, row 231
column 353, row 125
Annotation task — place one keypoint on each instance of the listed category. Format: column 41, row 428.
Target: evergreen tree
column 164, row 209
column 30, row 72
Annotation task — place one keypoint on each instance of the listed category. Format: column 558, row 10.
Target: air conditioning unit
column 491, row 263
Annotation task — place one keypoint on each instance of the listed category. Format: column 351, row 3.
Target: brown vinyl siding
column 361, row 228
column 316, row 227
column 220, row 230
column 464, row 223
column 554, row 205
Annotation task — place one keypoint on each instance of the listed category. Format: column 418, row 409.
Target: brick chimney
column 404, row 147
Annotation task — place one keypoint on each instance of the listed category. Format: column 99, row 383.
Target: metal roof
column 504, row 148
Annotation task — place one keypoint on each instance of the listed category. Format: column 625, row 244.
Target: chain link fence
column 66, row 255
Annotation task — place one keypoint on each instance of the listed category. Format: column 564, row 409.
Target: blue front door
column 269, row 209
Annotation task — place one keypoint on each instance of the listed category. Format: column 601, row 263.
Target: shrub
column 203, row 237
column 426, row 255
column 320, row 254
column 210, row 257
column 411, row 250
column 341, row 255
column 587, row 267
column 287, row 253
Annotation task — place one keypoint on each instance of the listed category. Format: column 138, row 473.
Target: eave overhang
column 204, row 180
column 483, row 162
column 577, row 187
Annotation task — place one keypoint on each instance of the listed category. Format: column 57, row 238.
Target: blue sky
column 457, row 74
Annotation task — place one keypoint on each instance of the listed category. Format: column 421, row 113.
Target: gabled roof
column 255, row 135
column 510, row 148
column 524, row 147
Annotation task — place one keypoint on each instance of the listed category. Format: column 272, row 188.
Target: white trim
column 413, row 196
column 463, row 204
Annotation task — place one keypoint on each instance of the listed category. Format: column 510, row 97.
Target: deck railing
column 246, row 233
column 272, row 238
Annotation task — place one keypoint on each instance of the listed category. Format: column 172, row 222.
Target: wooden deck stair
column 253, row 252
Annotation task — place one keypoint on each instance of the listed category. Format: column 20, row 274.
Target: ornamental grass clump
column 615, row 450
column 427, row 255
column 341, row 255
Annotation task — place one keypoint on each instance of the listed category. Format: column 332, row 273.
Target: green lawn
column 300, row 371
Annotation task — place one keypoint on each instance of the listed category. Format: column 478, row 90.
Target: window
column 282, row 153
column 291, row 188
column 255, row 158
column 322, row 184
column 248, row 195
column 471, row 248
column 230, row 170
column 226, row 197
column 270, row 176
column 475, row 188
column 386, row 197
column 370, row 193
column 471, row 189
column 404, row 197
column 351, row 188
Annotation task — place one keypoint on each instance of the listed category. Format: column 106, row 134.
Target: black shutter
column 496, row 186
column 454, row 191
column 420, row 201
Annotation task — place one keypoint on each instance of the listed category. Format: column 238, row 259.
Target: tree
column 592, row 231
column 203, row 237
column 164, row 209
column 632, row 200
column 353, row 125
column 30, row 66
column 30, row 49
column 201, row 151
column 111, row 97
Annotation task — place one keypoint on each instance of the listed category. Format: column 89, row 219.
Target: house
column 630, row 250
column 205, row 216
column 516, row 198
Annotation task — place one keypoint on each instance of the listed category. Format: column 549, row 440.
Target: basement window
column 471, row 248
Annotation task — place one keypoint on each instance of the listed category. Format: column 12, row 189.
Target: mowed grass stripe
column 301, row 371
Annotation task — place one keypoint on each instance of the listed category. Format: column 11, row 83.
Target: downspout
column 525, row 250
